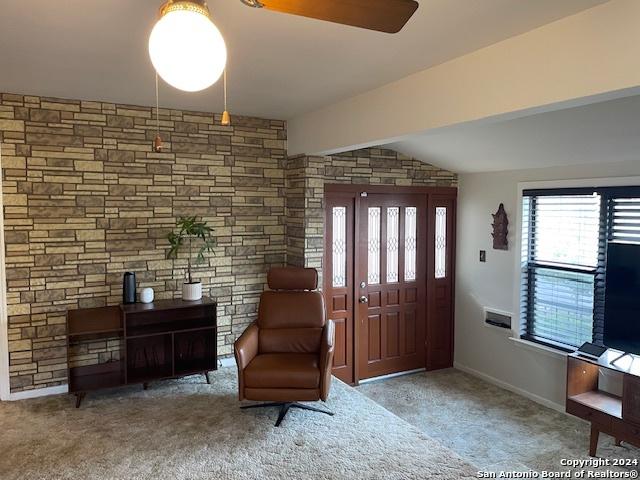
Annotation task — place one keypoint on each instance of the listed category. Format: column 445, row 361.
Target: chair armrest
column 328, row 340
column 326, row 357
column 246, row 347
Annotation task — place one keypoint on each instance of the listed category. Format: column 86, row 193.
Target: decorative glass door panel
column 393, row 243
column 339, row 246
column 338, row 280
column 388, row 273
column 391, row 283
column 441, row 242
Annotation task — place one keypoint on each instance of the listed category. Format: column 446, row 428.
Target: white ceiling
column 280, row 65
column 602, row 132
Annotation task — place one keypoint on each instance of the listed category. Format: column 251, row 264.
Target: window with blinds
column 564, row 242
column 559, row 268
column 624, row 219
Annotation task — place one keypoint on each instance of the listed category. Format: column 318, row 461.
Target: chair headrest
column 292, row 278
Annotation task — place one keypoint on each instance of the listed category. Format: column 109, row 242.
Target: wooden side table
column 607, row 413
column 160, row 340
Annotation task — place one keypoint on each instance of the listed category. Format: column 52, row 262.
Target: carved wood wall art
column 500, row 229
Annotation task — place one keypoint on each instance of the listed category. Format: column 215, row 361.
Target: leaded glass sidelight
column 410, row 243
column 339, row 247
column 393, row 233
column 441, row 242
column 373, row 246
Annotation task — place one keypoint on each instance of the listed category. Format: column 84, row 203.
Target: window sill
column 545, row 350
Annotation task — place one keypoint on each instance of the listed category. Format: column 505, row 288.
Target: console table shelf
column 618, row 416
column 91, row 321
column 96, row 377
column 601, row 401
column 164, row 328
column 161, row 340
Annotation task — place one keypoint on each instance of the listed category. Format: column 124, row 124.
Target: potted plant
column 191, row 231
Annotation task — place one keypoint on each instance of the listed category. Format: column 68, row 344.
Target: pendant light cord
column 157, row 107
column 225, row 89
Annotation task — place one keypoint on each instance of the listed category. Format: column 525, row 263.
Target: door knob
column 363, row 299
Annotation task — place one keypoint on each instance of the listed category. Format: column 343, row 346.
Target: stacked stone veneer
column 307, row 176
column 86, row 199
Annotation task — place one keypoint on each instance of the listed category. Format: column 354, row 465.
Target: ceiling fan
column 188, row 51
column 381, row 15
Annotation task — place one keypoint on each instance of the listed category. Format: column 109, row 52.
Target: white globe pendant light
column 186, row 48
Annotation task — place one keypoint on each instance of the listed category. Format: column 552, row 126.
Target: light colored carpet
column 491, row 427
column 187, row 429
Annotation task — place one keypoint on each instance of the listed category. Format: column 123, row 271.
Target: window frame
column 523, row 293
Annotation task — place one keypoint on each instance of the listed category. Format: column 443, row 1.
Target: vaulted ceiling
column 279, row 65
column 598, row 133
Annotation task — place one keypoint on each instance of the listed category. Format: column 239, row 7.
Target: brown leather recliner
column 286, row 355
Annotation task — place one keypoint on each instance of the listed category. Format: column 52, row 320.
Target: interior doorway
column 388, row 278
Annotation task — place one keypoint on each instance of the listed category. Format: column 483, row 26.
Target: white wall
column 572, row 61
column 488, row 351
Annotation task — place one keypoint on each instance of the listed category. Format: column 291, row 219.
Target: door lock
column 363, row 299
column 363, row 284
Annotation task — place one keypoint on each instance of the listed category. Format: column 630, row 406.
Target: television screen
column 622, row 298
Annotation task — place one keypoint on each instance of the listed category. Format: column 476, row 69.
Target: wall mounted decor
column 500, row 229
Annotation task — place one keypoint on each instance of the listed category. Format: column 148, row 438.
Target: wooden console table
column 610, row 414
column 160, row 340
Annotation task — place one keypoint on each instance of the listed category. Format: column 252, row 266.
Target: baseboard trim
column 390, row 375
column 507, row 386
column 38, row 392
column 44, row 392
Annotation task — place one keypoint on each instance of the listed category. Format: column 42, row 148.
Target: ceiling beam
column 580, row 59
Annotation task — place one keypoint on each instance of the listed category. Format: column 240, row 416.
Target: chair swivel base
column 285, row 407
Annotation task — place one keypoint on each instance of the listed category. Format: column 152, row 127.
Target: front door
column 388, row 278
column 391, row 283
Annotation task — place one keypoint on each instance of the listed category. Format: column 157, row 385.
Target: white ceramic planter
column 192, row 291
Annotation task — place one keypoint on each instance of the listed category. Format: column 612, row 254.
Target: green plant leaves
column 189, row 228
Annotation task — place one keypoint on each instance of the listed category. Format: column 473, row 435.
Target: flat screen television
column 622, row 298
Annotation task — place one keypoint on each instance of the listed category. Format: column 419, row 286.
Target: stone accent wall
column 370, row 166
column 86, row 199
column 296, row 187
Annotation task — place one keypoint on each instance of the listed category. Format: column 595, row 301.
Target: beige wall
column 488, row 351
column 566, row 62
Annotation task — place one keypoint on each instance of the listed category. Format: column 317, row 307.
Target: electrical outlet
column 483, row 256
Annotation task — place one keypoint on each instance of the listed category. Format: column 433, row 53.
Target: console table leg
column 593, row 441
column 618, row 442
column 79, row 398
column 145, row 385
column 206, row 375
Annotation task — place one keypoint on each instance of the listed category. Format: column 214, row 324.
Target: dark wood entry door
column 391, row 283
column 393, row 248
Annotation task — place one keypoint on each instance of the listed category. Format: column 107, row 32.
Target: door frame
column 432, row 194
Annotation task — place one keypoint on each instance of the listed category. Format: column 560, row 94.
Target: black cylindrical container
column 129, row 288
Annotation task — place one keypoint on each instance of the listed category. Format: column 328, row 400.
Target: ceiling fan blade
column 381, row 15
